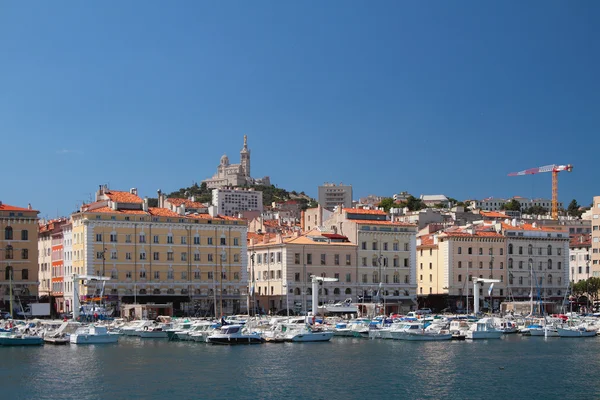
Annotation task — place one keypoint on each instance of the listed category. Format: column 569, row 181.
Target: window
column 549, row 250
column 374, row 247
column 113, row 255
column 470, row 250
column 169, row 256
column 336, row 259
column 348, row 259
column 183, row 274
column 297, row 277
column 142, row 238
column 155, row 239
column 128, row 256
column 520, row 249
column 559, row 265
column 196, row 256
column 510, row 263
column 396, row 261
column 549, row 264
column 210, row 276
column 430, row 266
column 24, row 234
column 184, row 256
column 157, row 275
column 170, row 239
column 364, row 278
column 309, row 259
column 430, row 278
column 170, row 274
column 24, row 254
column 396, row 246
column 236, row 276
column 406, row 262
column 460, row 250
column 183, row 240
column 142, row 256
column 210, row 257
column 520, row 280
column 156, row 256
column 25, row 274
column 530, row 250
column 209, row 241
column 236, row 241
column 364, row 245
column 196, row 239
column 510, row 249
column 322, row 259
column 348, row 277
column 98, row 236
column 520, row 264
column 223, row 242
column 364, row 261
column 113, row 237
column 460, row 264
column 480, row 251
column 459, row 278
column 114, row 274
column 127, row 238
column 143, row 274
column 385, row 246
column 128, row 274
column 558, row 251
column 236, row 258
column 296, row 258
column 99, row 255
column 501, row 251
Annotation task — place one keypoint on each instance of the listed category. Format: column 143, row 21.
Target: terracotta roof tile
column 530, row 227
column 6, row 207
column 163, row 212
column 364, row 211
column 580, row 240
column 493, row 214
column 188, row 203
column 123, row 197
column 109, row 210
column 372, row 222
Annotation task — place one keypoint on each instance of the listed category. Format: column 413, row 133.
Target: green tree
column 412, row 203
column 512, row 205
column 536, row 210
column 386, row 203
column 573, row 209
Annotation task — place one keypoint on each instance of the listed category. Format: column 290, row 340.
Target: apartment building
column 153, row 254
column 580, row 257
column 386, row 255
column 331, row 195
column 45, row 231
column 231, row 202
column 18, row 255
column 282, row 268
column 596, row 236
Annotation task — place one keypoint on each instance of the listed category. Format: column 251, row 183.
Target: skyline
column 387, row 97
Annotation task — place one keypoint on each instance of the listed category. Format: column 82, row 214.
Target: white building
column 230, row 202
column 332, row 195
column 596, row 236
column 579, row 257
column 433, row 199
column 497, row 204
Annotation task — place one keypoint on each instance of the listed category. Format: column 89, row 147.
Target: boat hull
column 483, row 335
column 235, row 340
column 22, row 341
column 93, row 339
column 153, row 334
column 422, row 337
column 312, row 337
column 574, row 333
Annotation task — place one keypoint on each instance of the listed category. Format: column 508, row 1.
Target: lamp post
column 587, row 282
column 285, row 286
column 221, row 283
column 252, row 283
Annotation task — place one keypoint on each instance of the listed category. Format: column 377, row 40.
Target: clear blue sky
column 428, row 97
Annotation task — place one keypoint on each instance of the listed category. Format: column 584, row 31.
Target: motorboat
column 483, row 329
column 19, row 339
column 203, row 330
column 234, row 334
column 155, row 331
column 340, row 308
column 417, row 331
column 304, row 333
column 131, row 328
column 93, row 334
column 575, row 331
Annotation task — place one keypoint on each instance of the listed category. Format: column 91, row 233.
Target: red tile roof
column 364, row 211
column 580, row 240
column 188, row 203
column 110, row 210
column 123, row 197
column 6, row 207
column 163, row 212
column 493, row 214
column 372, row 222
column 530, row 227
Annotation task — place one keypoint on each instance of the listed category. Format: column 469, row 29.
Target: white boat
column 304, row 333
column 93, row 334
column 344, row 307
column 203, row 331
column 18, row 339
column 156, row 331
column 234, row 334
column 416, row 331
column 575, row 331
column 131, row 328
column 483, row 329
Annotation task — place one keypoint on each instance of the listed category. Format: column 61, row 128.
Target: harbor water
column 513, row 367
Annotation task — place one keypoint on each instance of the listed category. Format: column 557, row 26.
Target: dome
column 224, row 160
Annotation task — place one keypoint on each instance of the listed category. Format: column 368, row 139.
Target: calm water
column 511, row 368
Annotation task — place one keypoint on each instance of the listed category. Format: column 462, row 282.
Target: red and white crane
column 555, row 169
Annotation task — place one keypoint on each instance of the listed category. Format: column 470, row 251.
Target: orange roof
column 6, row 207
column 371, row 222
column 427, row 241
column 493, row 214
column 110, row 210
column 364, row 211
column 530, row 227
column 580, row 240
column 123, row 197
column 188, row 203
column 163, row 212
column 480, row 231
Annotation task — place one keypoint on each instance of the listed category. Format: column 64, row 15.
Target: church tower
column 245, row 158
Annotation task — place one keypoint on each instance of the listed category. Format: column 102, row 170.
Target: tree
column 386, row 203
column 536, row 210
column 573, row 209
column 412, row 203
column 512, row 205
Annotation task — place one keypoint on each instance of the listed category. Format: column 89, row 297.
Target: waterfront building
column 386, row 255
column 45, row 255
column 18, row 255
column 153, row 254
column 282, row 269
column 596, row 236
column 231, row 202
column 580, row 257
column 67, row 255
column 235, row 174
column 331, row 195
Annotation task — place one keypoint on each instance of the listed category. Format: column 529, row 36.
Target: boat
column 344, row 307
column 575, row 331
column 155, row 331
column 18, row 339
column 234, row 334
column 93, row 334
column 416, row 331
column 483, row 329
column 132, row 328
column 305, row 333
column 203, row 330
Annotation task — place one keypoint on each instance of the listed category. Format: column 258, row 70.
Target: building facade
column 596, row 236
column 18, row 256
column 231, row 202
column 331, row 195
column 386, row 253
column 580, row 257
column 195, row 261
column 235, row 174
column 282, row 270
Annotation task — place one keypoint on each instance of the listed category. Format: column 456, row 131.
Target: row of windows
column 375, row 246
column 9, row 274
column 156, row 239
column 8, row 233
column 197, row 275
column 170, row 256
column 530, row 264
column 9, row 254
column 323, row 291
column 470, row 251
column 530, row 250
column 383, row 261
column 470, row 265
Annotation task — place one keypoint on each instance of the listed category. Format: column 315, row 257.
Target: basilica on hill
column 235, row 174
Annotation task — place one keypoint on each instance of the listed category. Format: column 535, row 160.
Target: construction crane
column 555, row 169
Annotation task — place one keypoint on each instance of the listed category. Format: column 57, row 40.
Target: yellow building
column 158, row 255
column 18, row 255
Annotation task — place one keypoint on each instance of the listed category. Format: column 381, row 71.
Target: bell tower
column 245, row 158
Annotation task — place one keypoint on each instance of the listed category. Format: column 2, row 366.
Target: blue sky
column 428, row 97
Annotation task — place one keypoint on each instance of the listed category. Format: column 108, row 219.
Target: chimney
column 181, row 209
column 133, row 191
column 0, row 203
column 159, row 196
column 112, row 205
column 145, row 204
column 301, row 220
column 29, row 206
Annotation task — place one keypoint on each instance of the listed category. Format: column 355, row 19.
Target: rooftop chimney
column 133, row 191
column 29, row 206
column 145, row 204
